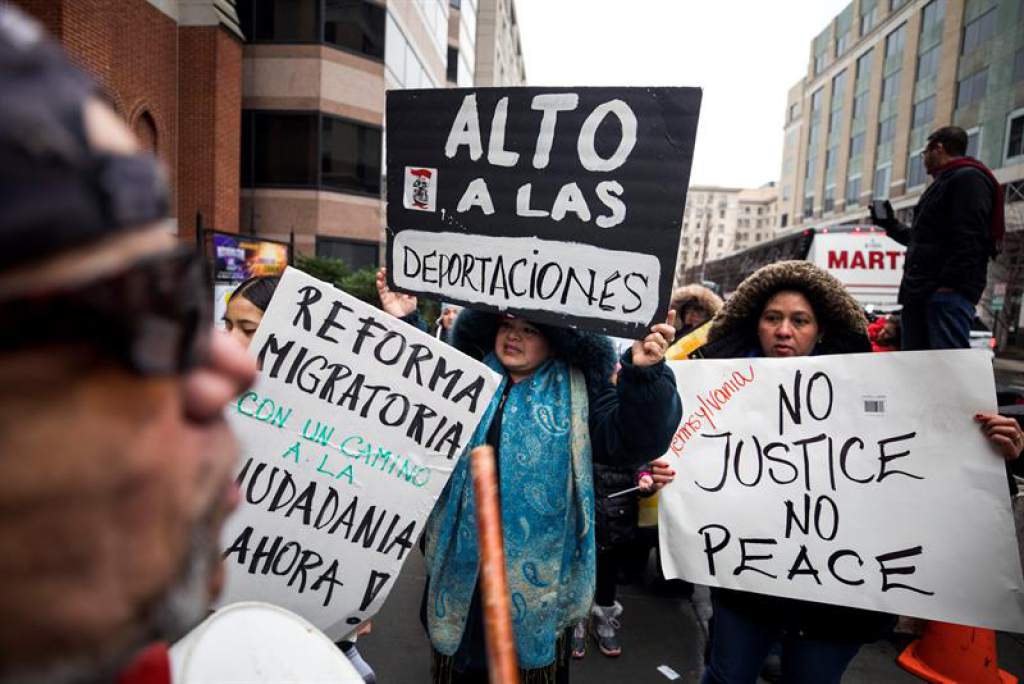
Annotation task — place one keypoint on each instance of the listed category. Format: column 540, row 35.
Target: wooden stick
column 501, row 646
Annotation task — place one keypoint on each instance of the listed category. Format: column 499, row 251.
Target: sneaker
column 360, row 665
column 579, row 640
column 604, row 620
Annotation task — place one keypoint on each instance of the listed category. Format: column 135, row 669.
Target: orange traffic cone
column 954, row 654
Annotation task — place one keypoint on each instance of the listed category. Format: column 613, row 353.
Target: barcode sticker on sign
column 874, row 405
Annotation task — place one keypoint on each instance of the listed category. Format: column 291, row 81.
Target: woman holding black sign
column 555, row 413
column 787, row 309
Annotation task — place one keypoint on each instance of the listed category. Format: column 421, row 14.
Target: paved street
column 657, row 630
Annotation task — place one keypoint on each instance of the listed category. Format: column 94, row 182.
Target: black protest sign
column 560, row 205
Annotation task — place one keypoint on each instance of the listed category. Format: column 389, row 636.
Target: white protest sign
column 859, row 480
column 348, row 437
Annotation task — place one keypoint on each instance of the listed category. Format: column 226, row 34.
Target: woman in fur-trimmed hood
column 843, row 326
column 556, row 412
column 694, row 305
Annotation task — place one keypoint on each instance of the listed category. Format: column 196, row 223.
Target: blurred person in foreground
column 116, row 463
column 958, row 225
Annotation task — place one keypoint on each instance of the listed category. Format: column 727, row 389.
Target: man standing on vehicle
column 958, row 225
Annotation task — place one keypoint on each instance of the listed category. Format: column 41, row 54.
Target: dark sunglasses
column 153, row 317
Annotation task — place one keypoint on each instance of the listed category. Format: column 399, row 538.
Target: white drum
column 258, row 643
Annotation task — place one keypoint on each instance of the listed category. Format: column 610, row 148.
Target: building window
column 350, row 156
column 868, row 16
column 933, row 14
column 453, row 65
column 856, row 145
column 924, row 112
column 351, row 25
column 1015, row 136
column 1018, row 66
column 784, row 221
column 456, row 4
column 973, row 142
column 401, row 60
column 916, row 172
column 808, row 206
column 896, row 4
column 880, row 189
column 838, row 86
column 829, row 202
column 309, row 150
column 842, row 42
column 886, row 130
column 978, row 31
column 146, row 132
column 280, row 21
column 890, row 86
column 928, row 63
column 816, row 101
column 279, row 149
column 894, row 43
column 355, row 253
column 355, row 25
column 852, row 191
column 971, row 89
column 860, row 103
column 864, row 66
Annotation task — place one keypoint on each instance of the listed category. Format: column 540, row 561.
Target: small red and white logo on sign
column 420, row 189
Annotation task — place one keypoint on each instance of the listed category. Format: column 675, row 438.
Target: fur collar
column 734, row 330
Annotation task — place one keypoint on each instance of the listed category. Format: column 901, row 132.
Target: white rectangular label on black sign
column 529, row 274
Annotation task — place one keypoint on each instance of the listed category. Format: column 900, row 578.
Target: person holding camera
column 958, row 225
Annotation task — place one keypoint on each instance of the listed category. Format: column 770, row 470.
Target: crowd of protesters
column 116, row 463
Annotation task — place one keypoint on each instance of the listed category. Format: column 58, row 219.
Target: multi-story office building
column 499, row 53
column 316, row 72
column 462, row 34
column 883, row 75
column 721, row 220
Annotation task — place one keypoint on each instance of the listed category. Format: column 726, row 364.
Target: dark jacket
column 614, row 519
column 630, row 423
column 732, row 334
column 950, row 241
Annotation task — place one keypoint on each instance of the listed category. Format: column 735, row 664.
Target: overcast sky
column 745, row 54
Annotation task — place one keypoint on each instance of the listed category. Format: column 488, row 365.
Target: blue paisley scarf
column 547, row 510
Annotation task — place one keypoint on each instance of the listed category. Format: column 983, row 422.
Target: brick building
column 173, row 70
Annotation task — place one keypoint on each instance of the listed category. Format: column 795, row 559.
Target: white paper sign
column 349, row 435
column 859, row 480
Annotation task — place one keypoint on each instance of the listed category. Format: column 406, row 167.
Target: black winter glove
column 886, row 218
